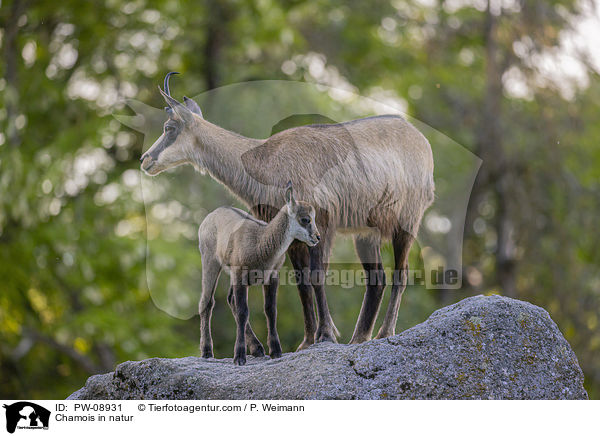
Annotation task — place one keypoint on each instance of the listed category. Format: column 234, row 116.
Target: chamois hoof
column 326, row 337
column 304, row 345
column 239, row 361
column 275, row 351
column 259, row 351
column 382, row 335
column 359, row 339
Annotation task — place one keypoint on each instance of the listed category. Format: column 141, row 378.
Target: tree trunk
column 11, row 58
column 494, row 176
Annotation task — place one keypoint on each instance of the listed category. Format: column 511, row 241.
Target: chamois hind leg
column 402, row 241
column 368, row 250
column 210, row 274
column 319, row 256
column 300, row 259
column 240, row 296
column 270, row 295
column 254, row 346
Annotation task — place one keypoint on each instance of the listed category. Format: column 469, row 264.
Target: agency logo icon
column 26, row 415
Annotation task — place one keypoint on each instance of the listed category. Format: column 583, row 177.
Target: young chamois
column 372, row 177
column 251, row 252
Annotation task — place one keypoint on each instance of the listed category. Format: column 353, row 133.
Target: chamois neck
column 276, row 236
column 219, row 152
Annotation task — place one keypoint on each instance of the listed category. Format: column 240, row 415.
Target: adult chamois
column 372, row 177
column 251, row 252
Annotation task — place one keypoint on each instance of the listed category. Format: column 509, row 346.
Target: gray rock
column 482, row 347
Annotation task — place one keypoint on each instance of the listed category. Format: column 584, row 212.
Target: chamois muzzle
column 147, row 162
column 314, row 239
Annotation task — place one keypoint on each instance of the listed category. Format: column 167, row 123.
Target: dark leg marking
column 300, row 259
column 326, row 331
column 368, row 250
column 270, row 298
column 402, row 242
column 252, row 342
column 240, row 296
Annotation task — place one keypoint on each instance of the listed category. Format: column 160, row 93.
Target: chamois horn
column 166, row 84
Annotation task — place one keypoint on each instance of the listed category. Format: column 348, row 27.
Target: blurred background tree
column 514, row 81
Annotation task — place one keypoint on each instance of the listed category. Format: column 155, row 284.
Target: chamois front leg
column 300, row 259
column 270, row 296
column 254, row 346
column 240, row 295
column 210, row 274
column 326, row 330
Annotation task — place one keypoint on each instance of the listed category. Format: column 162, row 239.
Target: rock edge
column 479, row 348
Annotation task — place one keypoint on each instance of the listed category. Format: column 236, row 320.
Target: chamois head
column 302, row 218
column 175, row 146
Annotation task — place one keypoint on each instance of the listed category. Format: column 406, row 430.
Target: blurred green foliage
column 74, row 296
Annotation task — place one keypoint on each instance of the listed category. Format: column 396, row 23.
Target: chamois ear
column 177, row 108
column 289, row 194
column 192, row 105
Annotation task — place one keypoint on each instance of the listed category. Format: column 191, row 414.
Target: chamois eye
column 169, row 129
column 304, row 221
